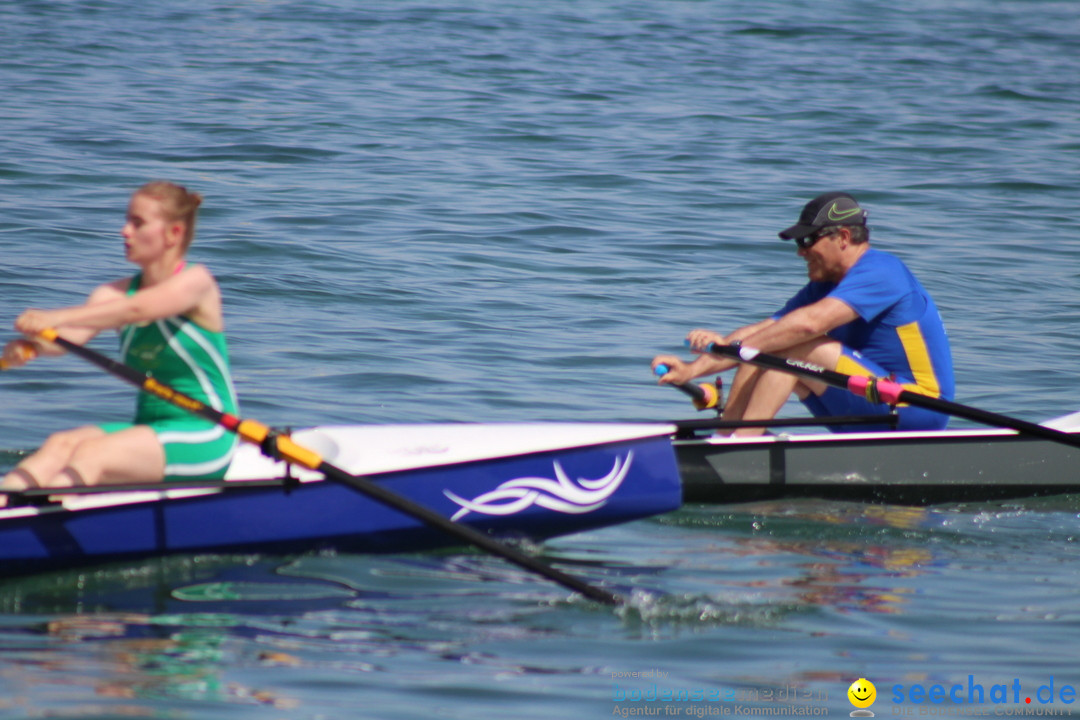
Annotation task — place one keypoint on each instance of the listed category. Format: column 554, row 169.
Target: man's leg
column 758, row 394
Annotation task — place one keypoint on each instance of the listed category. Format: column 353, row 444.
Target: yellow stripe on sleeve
column 918, row 357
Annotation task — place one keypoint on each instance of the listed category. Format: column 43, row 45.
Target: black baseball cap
column 832, row 208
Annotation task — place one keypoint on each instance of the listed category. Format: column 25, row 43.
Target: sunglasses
column 805, row 243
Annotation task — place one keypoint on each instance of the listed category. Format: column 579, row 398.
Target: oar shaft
column 464, row 532
column 888, row 391
column 286, row 448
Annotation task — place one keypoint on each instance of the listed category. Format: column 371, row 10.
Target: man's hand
column 699, row 340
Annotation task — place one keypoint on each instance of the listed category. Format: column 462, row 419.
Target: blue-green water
column 478, row 210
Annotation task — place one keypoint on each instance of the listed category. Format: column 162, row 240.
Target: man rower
column 862, row 313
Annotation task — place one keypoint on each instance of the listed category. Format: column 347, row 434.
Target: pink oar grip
column 887, row 391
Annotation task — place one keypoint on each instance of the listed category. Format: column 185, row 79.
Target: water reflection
column 848, row 557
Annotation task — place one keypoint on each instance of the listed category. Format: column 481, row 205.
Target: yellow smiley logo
column 862, row 693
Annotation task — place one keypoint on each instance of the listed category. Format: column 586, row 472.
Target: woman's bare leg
column 132, row 455
column 51, row 458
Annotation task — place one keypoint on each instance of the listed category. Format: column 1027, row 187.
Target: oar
column 882, row 390
column 284, row 447
column 705, row 396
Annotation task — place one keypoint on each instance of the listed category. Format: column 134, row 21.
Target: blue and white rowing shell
column 534, row 480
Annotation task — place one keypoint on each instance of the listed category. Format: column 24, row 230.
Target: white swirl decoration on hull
column 561, row 494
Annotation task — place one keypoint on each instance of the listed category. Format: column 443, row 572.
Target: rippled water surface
column 491, row 211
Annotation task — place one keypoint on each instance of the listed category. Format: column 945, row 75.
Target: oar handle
column 882, row 390
column 705, row 396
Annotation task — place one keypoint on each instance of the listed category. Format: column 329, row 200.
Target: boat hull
column 904, row 468
column 530, row 494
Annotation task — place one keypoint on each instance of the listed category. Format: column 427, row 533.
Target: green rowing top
column 182, row 355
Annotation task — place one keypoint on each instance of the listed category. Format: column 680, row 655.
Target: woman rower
column 171, row 326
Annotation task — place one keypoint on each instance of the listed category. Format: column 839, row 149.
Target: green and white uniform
column 195, row 361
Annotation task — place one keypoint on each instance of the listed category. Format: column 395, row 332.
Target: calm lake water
column 493, row 211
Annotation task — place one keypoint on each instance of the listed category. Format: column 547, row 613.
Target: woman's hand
column 32, row 321
column 18, row 352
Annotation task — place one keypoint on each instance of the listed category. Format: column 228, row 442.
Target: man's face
column 822, row 254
